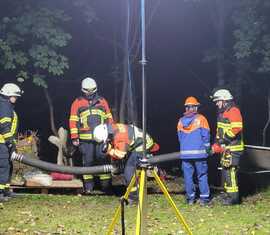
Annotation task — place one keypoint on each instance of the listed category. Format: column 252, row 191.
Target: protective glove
column 11, row 147
column 216, row 148
column 209, row 151
column 106, row 147
column 115, row 168
column 76, row 142
column 226, row 160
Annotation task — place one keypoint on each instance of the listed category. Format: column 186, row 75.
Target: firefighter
column 87, row 112
column 121, row 141
column 194, row 139
column 8, row 131
column 229, row 142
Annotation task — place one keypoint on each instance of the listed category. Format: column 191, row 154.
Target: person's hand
column 106, row 147
column 226, row 160
column 216, row 148
column 76, row 142
column 11, row 147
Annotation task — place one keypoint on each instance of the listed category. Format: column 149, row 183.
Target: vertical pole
column 143, row 63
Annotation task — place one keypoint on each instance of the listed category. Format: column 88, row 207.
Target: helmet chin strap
column 90, row 96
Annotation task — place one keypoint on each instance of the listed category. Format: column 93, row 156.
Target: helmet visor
column 89, row 91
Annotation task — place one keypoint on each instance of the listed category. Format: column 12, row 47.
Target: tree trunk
column 51, row 111
column 268, row 120
column 220, row 41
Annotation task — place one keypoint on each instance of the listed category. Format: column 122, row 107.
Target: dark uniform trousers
column 230, row 178
column 5, row 165
column 91, row 155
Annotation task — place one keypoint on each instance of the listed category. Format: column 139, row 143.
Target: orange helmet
column 191, row 101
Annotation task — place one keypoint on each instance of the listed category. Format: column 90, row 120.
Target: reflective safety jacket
column 8, row 122
column 229, row 129
column 194, row 136
column 86, row 114
column 127, row 138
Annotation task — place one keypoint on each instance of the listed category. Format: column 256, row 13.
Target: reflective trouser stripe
column 88, row 177
column 2, row 186
column 105, row 176
column 7, row 186
column 231, row 181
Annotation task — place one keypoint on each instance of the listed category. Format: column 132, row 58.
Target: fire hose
column 152, row 160
column 23, row 158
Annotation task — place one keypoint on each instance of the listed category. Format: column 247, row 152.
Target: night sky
column 176, row 39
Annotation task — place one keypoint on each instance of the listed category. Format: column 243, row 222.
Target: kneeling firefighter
column 87, row 112
column 229, row 142
column 122, row 141
column 8, row 131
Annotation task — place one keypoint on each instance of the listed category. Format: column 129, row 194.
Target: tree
column 252, row 43
column 30, row 45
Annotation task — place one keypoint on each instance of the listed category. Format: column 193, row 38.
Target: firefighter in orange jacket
column 87, row 112
column 122, row 141
column 229, row 142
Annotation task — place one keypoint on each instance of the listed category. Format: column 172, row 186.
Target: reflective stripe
column 236, row 124
column 2, row 139
column 88, row 177
column 2, row 186
column 14, row 124
column 7, row 186
column 7, row 135
column 74, row 130
column 105, row 176
column 86, row 136
column 204, row 195
column 233, row 188
column 74, row 118
column 13, row 128
column 193, row 151
column 235, row 148
column 5, row 119
column 230, row 133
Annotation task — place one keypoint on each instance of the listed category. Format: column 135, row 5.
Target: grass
column 68, row 214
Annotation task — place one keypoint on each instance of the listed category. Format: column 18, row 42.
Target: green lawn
column 63, row 214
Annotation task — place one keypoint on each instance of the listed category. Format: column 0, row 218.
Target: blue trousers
column 200, row 166
column 130, row 166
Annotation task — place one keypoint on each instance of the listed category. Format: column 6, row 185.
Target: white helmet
column 89, row 85
column 11, row 89
column 222, row 94
column 100, row 133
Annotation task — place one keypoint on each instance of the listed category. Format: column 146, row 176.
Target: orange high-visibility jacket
column 86, row 114
column 124, row 138
column 229, row 129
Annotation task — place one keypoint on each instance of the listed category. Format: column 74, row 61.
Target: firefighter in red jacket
column 87, row 112
column 122, row 141
column 229, row 142
column 8, row 131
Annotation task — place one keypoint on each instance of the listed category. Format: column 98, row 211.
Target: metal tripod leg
column 170, row 200
column 142, row 204
column 118, row 209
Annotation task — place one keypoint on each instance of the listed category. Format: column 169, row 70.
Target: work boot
column 204, row 202
column 9, row 194
column 3, row 198
column 190, row 202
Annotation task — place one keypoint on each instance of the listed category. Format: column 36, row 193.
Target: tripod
column 142, row 204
